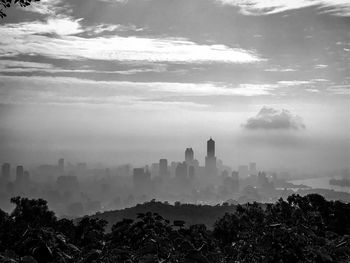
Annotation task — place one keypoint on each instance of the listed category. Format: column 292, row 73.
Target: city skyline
column 128, row 81
column 210, row 164
column 175, row 131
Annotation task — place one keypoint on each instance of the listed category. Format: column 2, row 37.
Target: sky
column 133, row 81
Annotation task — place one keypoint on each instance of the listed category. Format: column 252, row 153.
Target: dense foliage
column 300, row 229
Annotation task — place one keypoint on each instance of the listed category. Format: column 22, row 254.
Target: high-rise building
column 191, row 172
column 26, row 177
column 163, row 167
column 224, row 173
column 61, row 165
column 6, row 171
column 210, row 159
column 68, row 183
column 142, row 180
column 235, row 175
column 19, row 173
column 252, row 169
column 235, row 181
column 181, row 171
column 211, row 148
column 154, row 170
column 189, row 155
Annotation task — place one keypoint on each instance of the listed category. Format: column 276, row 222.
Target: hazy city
column 180, row 131
column 77, row 189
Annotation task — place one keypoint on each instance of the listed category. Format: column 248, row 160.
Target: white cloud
column 313, row 90
column 98, row 29
column 294, row 82
column 15, row 64
column 16, row 87
column 67, row 90
column 267, row 7
column 280, row 70
column 340, row 89
column 319, row 80
column 31, row 38
column 25, row 30
column 272, row 119
column 52, row 8
column 320, row 66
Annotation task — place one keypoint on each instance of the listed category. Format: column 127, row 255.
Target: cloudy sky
column 137, row 80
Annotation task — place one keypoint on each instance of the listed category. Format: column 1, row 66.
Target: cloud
column 340, row 89
column 272, row 119
column 18, row 65
column 34, row 38
column 25, row 30
column 288, row 83
column 268, row 7
column 280, row 70
column 52, row 8
column 46, row 90
column 313, row 90
column 105, row 28
column 320, row 66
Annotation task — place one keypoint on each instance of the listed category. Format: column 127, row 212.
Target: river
column 321, row 182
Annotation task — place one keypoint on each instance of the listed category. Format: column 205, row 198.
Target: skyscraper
column 19, row 172
column 210, row 159
column 142, row 180
column 211, row 148
column 6, row 171
column 235, row 181
column 163, row 167
column 20, row 176
column 191, row 172
column 252, row 169
column 181, row 171
column 189, row 155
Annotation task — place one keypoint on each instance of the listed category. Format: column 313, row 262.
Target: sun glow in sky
column 135, row 81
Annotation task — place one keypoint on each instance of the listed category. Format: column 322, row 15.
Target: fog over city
column 175, row 131
column 112, row 86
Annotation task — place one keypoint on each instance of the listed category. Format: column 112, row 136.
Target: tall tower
column 163, row 167
column 210, row 159
column 19, row 173
column 189, row 155
column 211, row 148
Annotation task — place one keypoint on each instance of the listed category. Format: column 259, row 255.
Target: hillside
column 299, row 229
column 190, row 213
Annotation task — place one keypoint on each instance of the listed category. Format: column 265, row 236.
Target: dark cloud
column 272, row 119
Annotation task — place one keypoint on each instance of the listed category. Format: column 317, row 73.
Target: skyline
column 132, row 81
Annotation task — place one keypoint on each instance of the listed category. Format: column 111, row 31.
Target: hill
column 299, row 229
column 190, row 213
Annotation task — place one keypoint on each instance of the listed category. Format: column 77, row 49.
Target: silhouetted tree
column 301, row 229
column 32, row 212
column 8, row 3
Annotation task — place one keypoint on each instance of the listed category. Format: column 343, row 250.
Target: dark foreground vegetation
column 190, row 213
column 300, row 229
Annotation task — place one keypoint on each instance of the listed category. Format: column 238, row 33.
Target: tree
column 32, row 212
column 8, row 3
